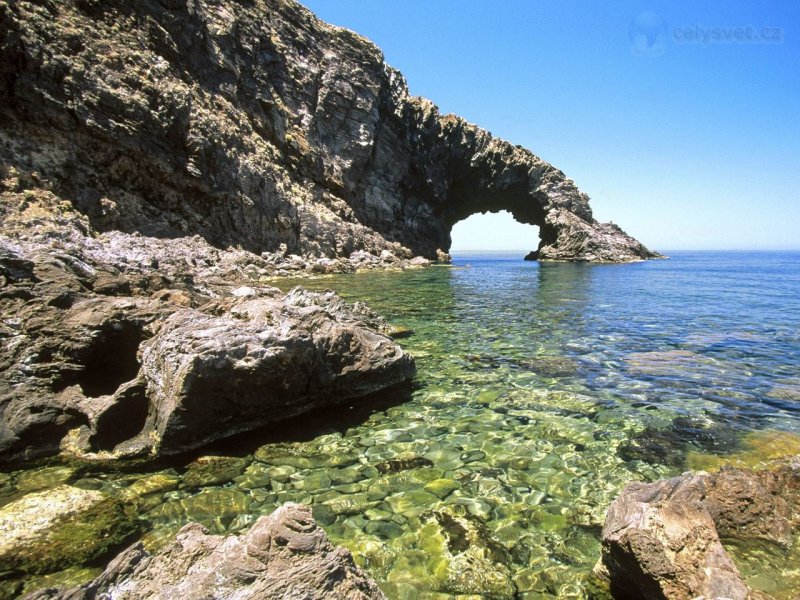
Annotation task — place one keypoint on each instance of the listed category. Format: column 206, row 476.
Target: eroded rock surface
column 131, row 346
column 263, row 360
column 257, row 125
column 662, row 540
column 285, row 555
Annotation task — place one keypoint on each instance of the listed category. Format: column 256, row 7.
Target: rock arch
column 493, row 231
column 466, row 170
column 278, row 130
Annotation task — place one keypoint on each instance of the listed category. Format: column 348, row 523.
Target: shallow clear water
column 542, row 389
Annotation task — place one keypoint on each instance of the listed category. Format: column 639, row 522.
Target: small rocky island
column 161, row 163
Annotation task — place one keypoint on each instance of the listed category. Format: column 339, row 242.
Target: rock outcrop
column 127, row 345
column 254, row 124
column 262, row 360
column 662, row 540
column 285, row 555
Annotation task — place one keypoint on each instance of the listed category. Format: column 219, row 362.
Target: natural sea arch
column 493, row 232
column 511, row 208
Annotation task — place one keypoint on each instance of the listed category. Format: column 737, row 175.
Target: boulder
column 260, row 361
column 285, row 555
column 662, row 540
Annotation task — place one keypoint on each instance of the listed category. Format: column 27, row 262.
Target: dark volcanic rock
column 255, row 124
column 662, row 540
column 285, row 555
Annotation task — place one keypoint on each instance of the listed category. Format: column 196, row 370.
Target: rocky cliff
column 253, row 124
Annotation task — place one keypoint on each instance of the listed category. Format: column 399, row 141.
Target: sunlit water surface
column 542, row 390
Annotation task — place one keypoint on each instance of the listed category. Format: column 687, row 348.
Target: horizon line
column 497, row 251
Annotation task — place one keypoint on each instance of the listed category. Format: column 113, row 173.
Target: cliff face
column 254, row 124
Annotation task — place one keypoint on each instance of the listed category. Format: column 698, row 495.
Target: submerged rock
column 674, row 444
column 284, row 555
column 296, row 455
column 477, row 562
column 661, row 540
column 395, row 465
column 754, row 450
column 213, row 470
column 786, row 389
column 64, row 526
column 40, row 479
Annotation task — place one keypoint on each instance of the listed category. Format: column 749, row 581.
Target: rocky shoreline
column 151, row 187
column 663, row 540
column 284, row 555
column 129, row 346
column 160, row 166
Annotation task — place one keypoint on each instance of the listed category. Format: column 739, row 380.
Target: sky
column 681, row 120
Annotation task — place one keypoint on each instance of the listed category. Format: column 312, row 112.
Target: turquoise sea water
column 542, row 390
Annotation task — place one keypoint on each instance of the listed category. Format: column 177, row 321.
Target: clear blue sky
column 685, row 144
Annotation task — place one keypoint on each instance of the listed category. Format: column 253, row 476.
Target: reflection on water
column 542, row 390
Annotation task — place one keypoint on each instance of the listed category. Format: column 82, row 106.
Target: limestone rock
column 285, row 555
column 661, row 540
column 257, row 125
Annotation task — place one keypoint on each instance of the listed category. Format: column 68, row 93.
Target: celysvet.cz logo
column 650, row 36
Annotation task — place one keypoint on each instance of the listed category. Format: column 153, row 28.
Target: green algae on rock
column 61, row 527
column 213, row 470
column 44, row 478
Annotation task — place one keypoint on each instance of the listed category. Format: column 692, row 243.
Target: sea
column 542, row 390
